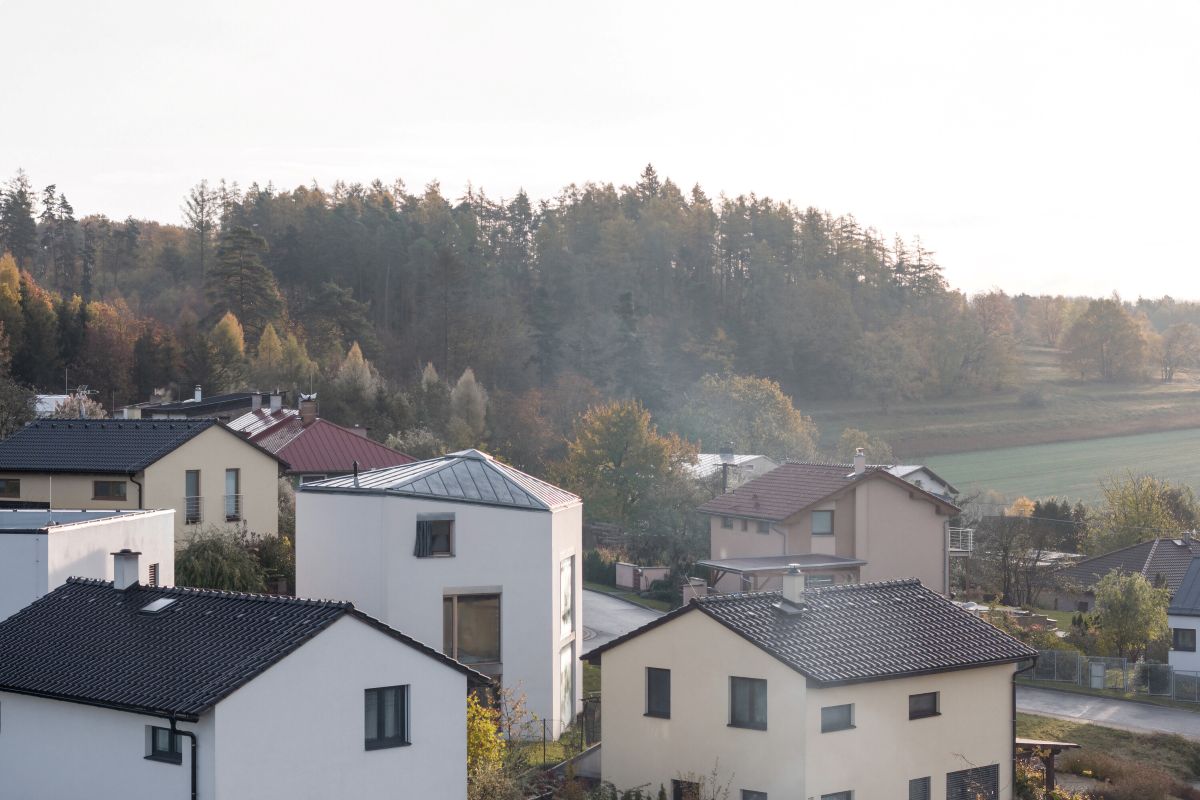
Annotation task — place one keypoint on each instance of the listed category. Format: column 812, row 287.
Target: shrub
column 218, row 558
column 600, row 566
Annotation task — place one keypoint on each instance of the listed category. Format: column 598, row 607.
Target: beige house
column 839, row 523
column 208, row 474
column 841, row 693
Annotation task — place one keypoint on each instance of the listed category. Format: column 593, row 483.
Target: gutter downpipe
column 191, row 735
column 1032, row 664
column 133, row 480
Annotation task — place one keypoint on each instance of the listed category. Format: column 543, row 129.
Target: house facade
column 829, row 693
column 39, row 549
column 1183, row 617
column 205, row 472
column 462, row 550
column 851, row 522
column 167, row 692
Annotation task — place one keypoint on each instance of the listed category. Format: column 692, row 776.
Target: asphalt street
column 605, row 618
column 1141, row 717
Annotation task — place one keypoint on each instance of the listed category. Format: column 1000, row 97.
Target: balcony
column 191, row 510
column 962, row 541
column 233, row 508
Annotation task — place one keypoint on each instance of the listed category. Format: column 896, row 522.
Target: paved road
column 605, row 618
column 1141, row 717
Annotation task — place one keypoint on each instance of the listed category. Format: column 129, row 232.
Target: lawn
column 1174, row 754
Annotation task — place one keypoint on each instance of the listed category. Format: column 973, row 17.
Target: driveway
column 1141, row 717
column 605, row 618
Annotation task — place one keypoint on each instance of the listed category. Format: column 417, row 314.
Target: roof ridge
column 191, row 591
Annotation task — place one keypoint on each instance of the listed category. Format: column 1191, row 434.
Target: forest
column 497, row 322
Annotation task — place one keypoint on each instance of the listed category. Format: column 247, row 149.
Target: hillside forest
column 443, row 321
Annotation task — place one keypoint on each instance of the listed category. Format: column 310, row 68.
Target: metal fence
column 1117, row 674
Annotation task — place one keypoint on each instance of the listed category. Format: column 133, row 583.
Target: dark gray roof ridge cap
column 189, row 591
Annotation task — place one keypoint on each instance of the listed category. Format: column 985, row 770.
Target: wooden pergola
column 1046, row 751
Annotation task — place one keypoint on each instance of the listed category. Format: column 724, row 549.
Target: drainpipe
column 1032, row 664
column 133, row 480
column 192, row 736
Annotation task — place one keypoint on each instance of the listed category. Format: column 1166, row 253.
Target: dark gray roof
column 94, row 445
column 206, row 406
column 86, row 642
column 1159, row 560
column 857, row 632
column 1186, row 601
column 467, row 476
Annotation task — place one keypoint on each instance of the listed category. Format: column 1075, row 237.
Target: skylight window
column 158, row 605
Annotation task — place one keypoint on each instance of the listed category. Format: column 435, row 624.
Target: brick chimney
column 308, row 409
column 125, row 569
column 860, row 461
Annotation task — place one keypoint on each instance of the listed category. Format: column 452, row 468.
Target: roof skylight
column 158, row 605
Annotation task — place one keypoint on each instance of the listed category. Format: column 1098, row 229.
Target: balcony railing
column 191, row 510
column 962, row 541
column 233, row 508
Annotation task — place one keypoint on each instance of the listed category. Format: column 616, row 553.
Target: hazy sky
column 1034, row 146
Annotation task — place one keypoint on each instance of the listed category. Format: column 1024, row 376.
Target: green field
column 1073, row 469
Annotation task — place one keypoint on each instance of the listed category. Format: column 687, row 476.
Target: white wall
column 359, row 547
column 23, row 571
column 83, row 549
column 296, row 730
column 1183, row 660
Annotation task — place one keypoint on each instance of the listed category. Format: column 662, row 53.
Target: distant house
column 839, row 523
column 741, row 468
column 463, row 550
column 1163, row 562
column 46, row 404
column 40, row 549
column 1183, row 615
column 160, row 692
column 207, row 473
column 923, row 477
column 315, row 448
column 857, row 691
column 221, row 407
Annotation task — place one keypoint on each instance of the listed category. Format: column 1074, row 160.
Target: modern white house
column 1183, row 615
column 734, row 468
column 849, row 692
column 164, row 692
column 40, row 549
column 462, row 550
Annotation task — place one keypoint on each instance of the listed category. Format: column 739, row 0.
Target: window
column 923, row 705
column 726, row 522
column 566, row 599
column 811, row 581
column 918, row 789
column 191, row 495
column 154, row 574
column 435, row 537
column 745, row 525
column 838, row 796
column 471, row 628
column 1183, row 639
column 750, row 794
column 764, row 527
column 162, row 746
column 311, row 479
column 108, row 490
column 386, row 717
column 1082, row 606
column 233, row 495
column 822, row 523
column 980, row 783
column 658, row 692
column 748, row 703
column 837, row 718
column 10, row 487
column 685, row 790
column 566, row 684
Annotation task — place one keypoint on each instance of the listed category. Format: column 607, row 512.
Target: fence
column 1118, row 674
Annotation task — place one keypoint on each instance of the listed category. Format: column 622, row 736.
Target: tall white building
column 463, row 551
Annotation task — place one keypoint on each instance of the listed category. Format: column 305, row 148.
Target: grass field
column 1178, row 756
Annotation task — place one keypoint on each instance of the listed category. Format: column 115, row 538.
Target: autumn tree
column 1106, row 342
column 1047, row 317
column 1140, row 507
column 1179, row 349
column 228, row 342
column 79, row 406
column 468, row 411
column 877, row 450
column 752, row 413
column 267, row 365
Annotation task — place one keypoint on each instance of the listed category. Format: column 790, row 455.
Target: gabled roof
column 95, row 445
column 86, row 642
column 468, row 476
column 320, row 447
column 1186, row 601
column 1157, row 559
column 793, row 487
column 905, row 470
column 855, row 632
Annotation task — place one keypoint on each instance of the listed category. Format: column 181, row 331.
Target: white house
column 161, row 692
column 40, row 549
column 738, row 467
column 462, row 550
column 856, row 691
column 1183, row 615
column 923, row 477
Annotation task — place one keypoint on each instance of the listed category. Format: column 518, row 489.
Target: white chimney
column 793, row 584
column 199, row 394
column 276, row 401
column 125, row 569
column 255, row 401
column 860, row 461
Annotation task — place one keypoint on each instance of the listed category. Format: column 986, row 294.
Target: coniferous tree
column 241, row 284
column 200, row 212
column 18, row 230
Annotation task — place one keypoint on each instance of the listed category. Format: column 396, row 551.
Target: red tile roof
column 325, row 448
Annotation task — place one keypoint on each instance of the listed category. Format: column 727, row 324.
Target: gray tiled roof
column 1186, row 600
column 467, row 476
column 1165, row 560
column 857, row 632
column 95, row 445
column 87, row 642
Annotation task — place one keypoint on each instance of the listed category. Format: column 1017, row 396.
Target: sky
column 1032, row 146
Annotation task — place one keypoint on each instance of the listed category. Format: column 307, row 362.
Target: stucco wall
column 296, row 730
column 72, row 491
column 84, row 549
column 23, row 571
column 702, row 655
column 899, row 537
column 1182, row 659
column 736, row 543
column 359, row 547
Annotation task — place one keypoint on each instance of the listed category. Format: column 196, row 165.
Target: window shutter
column 969, row 784
column 424, row 545
column 919, row 789
column 154, row 574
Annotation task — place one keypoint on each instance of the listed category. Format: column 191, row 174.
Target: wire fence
column 1117, row 674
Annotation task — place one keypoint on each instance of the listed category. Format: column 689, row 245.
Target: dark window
column 386, row 717
column 838, row 796
column 919, row 789
column 435, row 537
column 980, row 783
column 10, row 487
column 923, row 705
column 822, row 523
column 837, row 718
column 1082, row 606
column 311, row 478
column 108, row 490
column 750, row 794
column 471, row 628
column 726, row 522
column 191, row 497
column 764, row 527
column 154, row 574
column 748, row 703
column 811, row 581
column 658, row 692
column 685, row 790
column 1183, row 639
column 233, row 495
column 744, row 525
column 164, row 747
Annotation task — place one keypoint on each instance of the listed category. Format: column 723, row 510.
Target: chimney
column 793, row 585
column 199, row 394
column 255, row 401
column 860, row 461
column 125, row 569
column 308, row 409
column 276, row 401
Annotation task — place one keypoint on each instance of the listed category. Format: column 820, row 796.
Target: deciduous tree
column 752, row 413
column 1132, row 614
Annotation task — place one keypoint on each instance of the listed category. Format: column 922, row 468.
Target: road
column 605, row 618
column 1141, row 717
